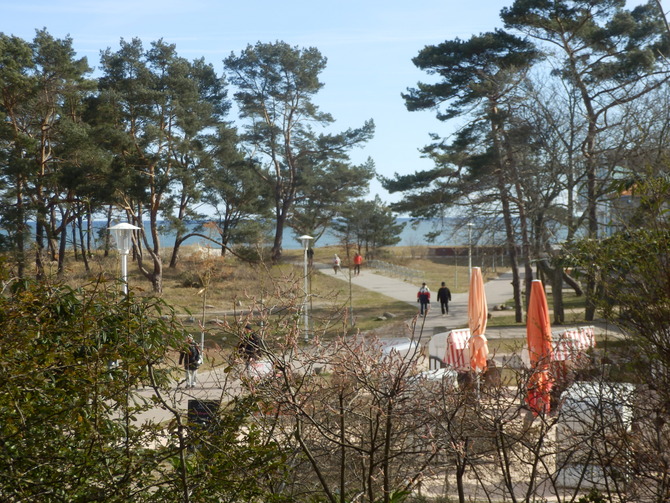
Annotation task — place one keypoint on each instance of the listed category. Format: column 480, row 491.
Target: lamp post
column 305, row 307
column 123, row 235
column 494, row 251
column 470, row 224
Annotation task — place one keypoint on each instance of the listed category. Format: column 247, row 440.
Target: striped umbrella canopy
column 477, row 317
column 538, row 334
column 569, row 343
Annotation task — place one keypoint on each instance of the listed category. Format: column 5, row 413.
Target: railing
column 399, row 271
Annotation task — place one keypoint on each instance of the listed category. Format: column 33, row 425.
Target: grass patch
column 204, row 290
column 573, row 305
column 209, row 288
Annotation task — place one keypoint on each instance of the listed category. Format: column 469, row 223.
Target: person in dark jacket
column 443, row 297
column 250, row 346
column 190, row 358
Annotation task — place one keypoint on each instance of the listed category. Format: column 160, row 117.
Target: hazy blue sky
column 369, row 46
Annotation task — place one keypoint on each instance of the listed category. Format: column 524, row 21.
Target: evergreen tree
column 276, row 85
column 611, row 57
column 158, row 107
column 368, row 225
column 46, row 152
column 241, row 205
column 479, row 80
column 330, row 187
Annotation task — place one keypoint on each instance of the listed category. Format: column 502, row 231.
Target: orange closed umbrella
column 538, row 334
column 477, row 317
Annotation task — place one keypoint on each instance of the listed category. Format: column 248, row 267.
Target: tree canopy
column 276, row 84
column 547, row 116
column 150, row 142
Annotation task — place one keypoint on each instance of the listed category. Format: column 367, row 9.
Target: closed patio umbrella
column 477, row 318
column 538, row 334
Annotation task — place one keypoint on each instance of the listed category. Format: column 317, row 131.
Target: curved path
column 498, row 291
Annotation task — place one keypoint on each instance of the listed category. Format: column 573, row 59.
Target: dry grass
column 213, row 287
column 452, row 270
column 207, row 289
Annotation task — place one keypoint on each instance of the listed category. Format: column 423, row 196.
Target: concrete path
column 498, row 291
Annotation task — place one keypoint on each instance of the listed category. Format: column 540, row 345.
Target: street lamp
column 123, row 235
column 470, row 224
column 305, row 311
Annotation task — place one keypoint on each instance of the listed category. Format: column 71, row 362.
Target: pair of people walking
column 443, row 297
column 358, row 260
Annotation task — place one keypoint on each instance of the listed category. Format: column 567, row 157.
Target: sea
column 413, row 234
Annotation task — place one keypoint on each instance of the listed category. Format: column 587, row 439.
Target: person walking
column 443, row 297
column 423, row 298
column 358, row 260
column 250, row 346
column 336, row 263
column 190, row 358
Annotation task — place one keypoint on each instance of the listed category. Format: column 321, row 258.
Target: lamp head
column 305, row 240
column 123, row 234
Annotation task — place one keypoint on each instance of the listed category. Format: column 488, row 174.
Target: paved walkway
column 498, row 291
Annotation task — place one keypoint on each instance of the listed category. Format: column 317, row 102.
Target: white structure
column 401, row 346
column 588, row 407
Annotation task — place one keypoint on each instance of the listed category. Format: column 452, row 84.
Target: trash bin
column 202, row 412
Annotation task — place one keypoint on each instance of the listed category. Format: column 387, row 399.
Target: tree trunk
column 82, row 241
column 557, row 295
column 107, row 233
column 573, row 284
column 62, row 248
column 89, row 226
column 39, row 244
column 523, row 221
column 174, row 257
column 279, row 236
column 75, row 240
column 20, row 230
column 592, row 218
column 460, row 485
column 507, row 216
column 556, row 276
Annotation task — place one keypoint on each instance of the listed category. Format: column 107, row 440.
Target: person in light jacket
column 336, row 263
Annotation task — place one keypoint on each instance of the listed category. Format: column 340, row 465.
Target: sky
column 369, row 45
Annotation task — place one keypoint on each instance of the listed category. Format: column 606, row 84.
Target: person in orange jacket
column 358, row 260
